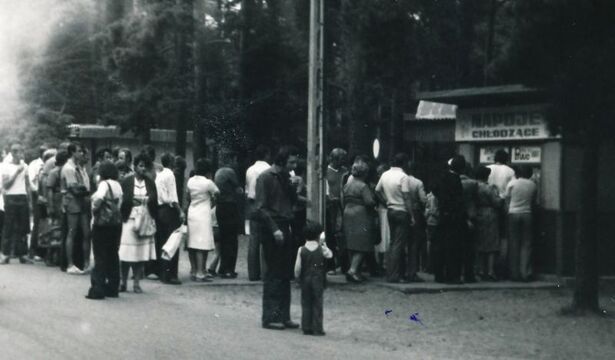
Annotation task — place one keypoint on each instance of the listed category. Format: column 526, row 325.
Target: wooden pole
column 315, row 179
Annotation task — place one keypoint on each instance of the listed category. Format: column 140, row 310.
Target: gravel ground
column 46, row 317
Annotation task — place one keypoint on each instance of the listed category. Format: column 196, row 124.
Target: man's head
column 41, row 150
column 167, row 160
column 262, row 152
column 76, row 151
column 125, row 155
column 48, row 154
column 501, row 156
column 17, row 152
column 337, row 157
column 400, row 160
column 286, row 158
column 312, row 230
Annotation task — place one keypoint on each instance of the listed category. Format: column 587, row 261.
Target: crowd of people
column 385, row 220
column 382, row 219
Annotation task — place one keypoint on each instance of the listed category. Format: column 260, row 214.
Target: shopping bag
column 145, row 225
column 174, row 242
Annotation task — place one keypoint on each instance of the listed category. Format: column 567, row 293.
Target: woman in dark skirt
column 106, row 232
column 359, row 219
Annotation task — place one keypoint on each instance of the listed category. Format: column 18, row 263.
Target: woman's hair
column 145, row 159
column 61, row 157
column 359, row 170
column 482, row 173
column 107, row 170
column 203, row 167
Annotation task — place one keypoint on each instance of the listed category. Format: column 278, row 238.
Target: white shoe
column 73, row 270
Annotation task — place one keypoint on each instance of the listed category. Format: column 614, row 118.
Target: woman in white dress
column 201, row 193
column 139, row 202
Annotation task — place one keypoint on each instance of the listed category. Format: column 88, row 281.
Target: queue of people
column 381, row 219
column 389, row 222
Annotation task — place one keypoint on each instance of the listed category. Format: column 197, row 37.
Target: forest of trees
column 235, row 71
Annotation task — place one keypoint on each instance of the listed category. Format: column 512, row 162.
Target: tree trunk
column 585, row 296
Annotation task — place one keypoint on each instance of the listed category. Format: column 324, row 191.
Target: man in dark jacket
column 273, row 209
column 453, row 218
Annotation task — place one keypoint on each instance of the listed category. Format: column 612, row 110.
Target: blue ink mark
column 415, row 317
column 387, row 312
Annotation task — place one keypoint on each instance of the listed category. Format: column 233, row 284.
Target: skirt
column 134, row 248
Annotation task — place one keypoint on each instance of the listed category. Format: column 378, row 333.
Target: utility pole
column 315, row 150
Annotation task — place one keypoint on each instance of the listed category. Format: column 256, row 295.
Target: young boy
column 310, row 271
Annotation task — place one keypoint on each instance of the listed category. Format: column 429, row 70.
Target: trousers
column 276, row 282
column 105, row 277
column 228, row 222
column 520, row 245
column 312, row 290
column 16, row 225
column 168, row 221
column 397, row 255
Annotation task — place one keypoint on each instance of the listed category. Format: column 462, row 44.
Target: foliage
column 568, row 48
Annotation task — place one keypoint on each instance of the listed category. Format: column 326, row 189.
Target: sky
column 25, row 26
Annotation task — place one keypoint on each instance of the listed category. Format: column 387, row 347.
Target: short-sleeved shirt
column 252, row 174
column 522, row 195
column 166, row 187
column 418, row 198
column 70, row 176
column 19, row 185
column 393, row 184
column 500, row 176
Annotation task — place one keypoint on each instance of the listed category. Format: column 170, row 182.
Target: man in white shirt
column 416, row 250
column 34, row 169
column 170, row 217
column 501, row 174
column 17, row 216
column 261, row 164
column 393, row 188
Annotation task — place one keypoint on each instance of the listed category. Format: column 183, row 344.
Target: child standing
column 310, row 271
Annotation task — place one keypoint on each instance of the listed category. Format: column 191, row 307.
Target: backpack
column 109, row 212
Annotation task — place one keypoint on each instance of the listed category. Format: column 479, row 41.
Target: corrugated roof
column 429, row 110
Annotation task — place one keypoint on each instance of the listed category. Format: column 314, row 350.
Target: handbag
column 108, row 213
column 145, row 225
column 174, row 242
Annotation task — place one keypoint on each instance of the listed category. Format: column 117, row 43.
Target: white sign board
column 526, row 154
column 497, row 124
